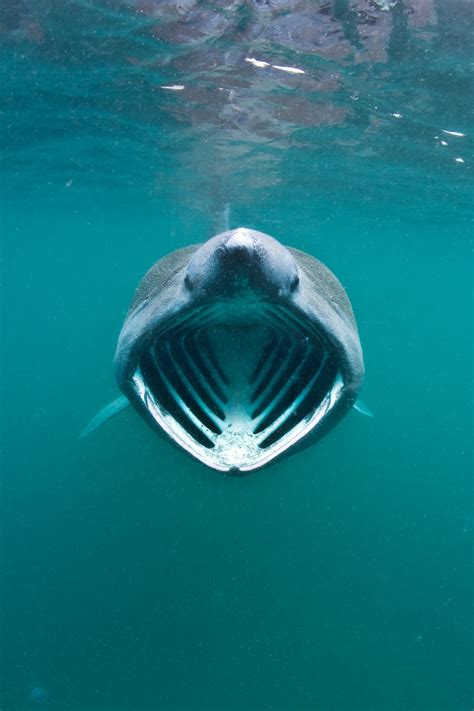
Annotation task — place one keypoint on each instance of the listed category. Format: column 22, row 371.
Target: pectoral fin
column 362, row 408
column 105, row 414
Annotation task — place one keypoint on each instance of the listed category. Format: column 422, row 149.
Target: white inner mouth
column 238, row 383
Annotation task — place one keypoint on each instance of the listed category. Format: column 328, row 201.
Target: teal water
column 131, row 577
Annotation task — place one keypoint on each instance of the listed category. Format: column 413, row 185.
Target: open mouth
column 236, row 384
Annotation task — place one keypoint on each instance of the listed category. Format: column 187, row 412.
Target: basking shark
column 239, row 350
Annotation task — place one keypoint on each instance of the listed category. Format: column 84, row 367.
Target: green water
column 131, row 577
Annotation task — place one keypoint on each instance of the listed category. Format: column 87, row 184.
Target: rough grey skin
column 240, row 350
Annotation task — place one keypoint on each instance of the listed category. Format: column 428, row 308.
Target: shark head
column 240, row 350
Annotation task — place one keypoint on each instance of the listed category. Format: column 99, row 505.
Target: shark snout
column 242, row 260
column 239, row 261
column 241, row 244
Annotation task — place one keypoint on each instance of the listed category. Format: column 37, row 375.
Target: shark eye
column 188, row 283
column 294, row 282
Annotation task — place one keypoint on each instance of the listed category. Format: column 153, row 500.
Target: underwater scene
column 246, row 486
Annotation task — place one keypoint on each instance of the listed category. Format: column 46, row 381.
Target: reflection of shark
column 225, row 64
column 238, row 350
